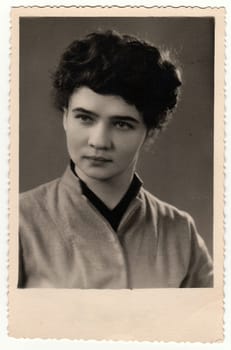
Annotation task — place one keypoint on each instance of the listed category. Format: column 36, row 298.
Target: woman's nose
column 99, row 137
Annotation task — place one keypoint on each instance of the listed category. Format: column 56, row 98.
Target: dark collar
column 113, row 216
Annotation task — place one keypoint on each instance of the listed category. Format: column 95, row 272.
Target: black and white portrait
column 116, row 152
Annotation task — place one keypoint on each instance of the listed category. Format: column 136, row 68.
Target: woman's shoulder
column 165, row 209
column 38, row 194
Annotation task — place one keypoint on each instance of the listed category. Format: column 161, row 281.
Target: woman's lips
column 98, row 159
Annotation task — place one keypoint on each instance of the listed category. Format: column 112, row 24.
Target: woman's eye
column 84, row 118
column 123, row 125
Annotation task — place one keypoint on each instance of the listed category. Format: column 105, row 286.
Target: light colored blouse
column 66, row 243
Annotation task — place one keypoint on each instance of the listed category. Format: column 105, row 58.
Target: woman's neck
column 110, row 191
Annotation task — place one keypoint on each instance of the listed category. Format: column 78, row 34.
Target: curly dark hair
column 114, row 64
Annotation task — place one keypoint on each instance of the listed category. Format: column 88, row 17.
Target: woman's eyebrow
column 83, row 110
column 126, row 118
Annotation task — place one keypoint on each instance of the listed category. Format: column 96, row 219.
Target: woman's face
column 104, row 134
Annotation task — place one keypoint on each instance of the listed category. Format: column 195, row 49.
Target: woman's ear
column 150, row 137
column 65, row 118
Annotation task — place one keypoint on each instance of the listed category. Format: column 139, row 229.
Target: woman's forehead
column 100, row 104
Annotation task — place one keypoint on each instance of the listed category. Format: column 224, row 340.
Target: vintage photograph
column 116, row 169
column 115, row 87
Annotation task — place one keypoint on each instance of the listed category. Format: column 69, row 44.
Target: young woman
column 96, row 226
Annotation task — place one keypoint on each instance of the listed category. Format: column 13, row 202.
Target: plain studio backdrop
column 179, row 166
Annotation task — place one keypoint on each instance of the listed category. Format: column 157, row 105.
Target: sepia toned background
column 179, row 166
